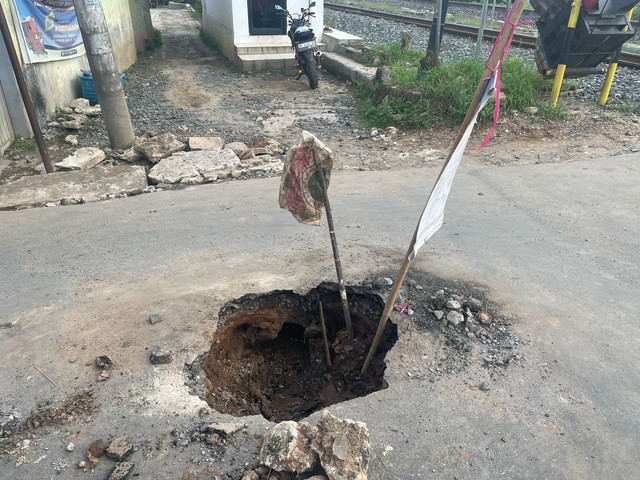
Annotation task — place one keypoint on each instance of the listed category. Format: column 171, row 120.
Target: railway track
column 519, row 39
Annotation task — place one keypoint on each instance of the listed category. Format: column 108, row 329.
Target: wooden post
column 24, row 93
column 336, row 255
column 492, row 64
column 324, row 335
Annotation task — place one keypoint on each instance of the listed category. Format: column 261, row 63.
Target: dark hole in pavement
column 268, row 356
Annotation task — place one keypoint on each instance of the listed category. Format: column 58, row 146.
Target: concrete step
column 270, row 61
column 345, row 68
column 260, row 44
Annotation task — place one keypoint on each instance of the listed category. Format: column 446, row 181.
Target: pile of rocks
column 207, row 159
column 76, row 115
column 457, row 310
column 339, row 446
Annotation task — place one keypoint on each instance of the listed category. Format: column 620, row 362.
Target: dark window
column 264, row 18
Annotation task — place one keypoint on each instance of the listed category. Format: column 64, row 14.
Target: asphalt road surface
column 557, row 245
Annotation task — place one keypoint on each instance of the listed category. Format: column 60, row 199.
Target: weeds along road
column 555, row 245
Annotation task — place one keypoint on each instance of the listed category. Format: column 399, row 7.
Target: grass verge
column 441, row 96
column 155, row 41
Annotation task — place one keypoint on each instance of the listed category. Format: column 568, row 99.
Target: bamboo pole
column 336, row 254
column 324, row 335
column 492, row 64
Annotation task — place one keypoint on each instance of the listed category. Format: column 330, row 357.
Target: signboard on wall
column 47, row 30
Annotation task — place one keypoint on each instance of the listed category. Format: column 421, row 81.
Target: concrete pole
column 483, row 20
column 106, row 76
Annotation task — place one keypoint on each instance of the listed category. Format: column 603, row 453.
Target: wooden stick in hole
column 324, row 335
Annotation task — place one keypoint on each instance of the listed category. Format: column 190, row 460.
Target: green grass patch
column 155, row 41
column 197, row 12
column 144, row 65
column 329, row 21
column 490, row 24
column 21, row 144
column 441, row 96
column 379, row 6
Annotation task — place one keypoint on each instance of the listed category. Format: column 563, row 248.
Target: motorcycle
column 303, row 41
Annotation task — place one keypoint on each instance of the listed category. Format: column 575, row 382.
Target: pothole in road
column 268, row 356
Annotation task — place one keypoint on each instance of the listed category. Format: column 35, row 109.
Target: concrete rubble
column 238, row 147
column 195, row 167
column 155, row 148
column 121, row 470
column 120, row 448
column 287, row 447
column 160, row 355
column 83, row 159
column 340, row 446
column 343, row 447
column 206, row 143
column 65, row 188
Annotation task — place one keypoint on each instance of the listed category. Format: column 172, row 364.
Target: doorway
column 264, row 18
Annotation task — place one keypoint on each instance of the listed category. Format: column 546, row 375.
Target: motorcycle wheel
column 309, row 68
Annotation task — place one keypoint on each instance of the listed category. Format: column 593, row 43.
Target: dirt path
column 274, row 104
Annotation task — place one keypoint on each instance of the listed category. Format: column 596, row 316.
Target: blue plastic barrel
column 89, row 88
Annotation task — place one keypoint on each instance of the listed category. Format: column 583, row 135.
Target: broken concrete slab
column 343, row 447
column 71, row 140
column 270, row 146
column 206, row 143
column 89, row 111
column 83, row 159
column 83, row 185
column 158, row 147
column 195, row 167
column 70, row 125
column 120, row 448
column 121, row 471
column 79, row 102
column 286, row 447
column 238, row 147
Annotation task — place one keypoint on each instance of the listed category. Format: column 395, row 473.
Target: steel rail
column 519, row 39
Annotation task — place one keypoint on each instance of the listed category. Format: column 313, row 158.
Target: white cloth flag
column 433, row 214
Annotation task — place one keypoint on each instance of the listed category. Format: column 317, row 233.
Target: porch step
column 265, row 61
column 264, row 44
column 268, row 60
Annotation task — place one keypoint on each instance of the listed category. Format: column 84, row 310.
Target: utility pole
column 431, row 58
column 104, row 70
column 24, row 92
column 483, row 20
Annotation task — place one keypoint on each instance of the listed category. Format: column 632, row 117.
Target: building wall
column 227, row 21
column 217, row 23
column 55, row 84
column 241, row 15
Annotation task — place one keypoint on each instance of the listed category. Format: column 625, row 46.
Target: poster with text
column 48, row 30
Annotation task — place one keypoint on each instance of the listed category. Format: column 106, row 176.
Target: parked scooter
column 303, row 41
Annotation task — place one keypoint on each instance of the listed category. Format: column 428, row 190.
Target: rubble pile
column 472, row 327
column 340, row 447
